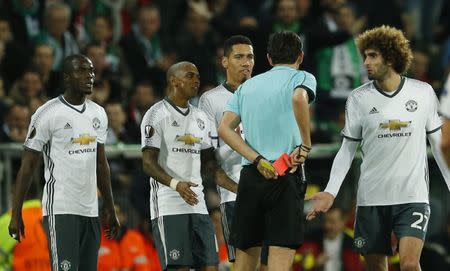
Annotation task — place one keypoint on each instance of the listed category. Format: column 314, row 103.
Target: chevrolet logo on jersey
column 84, row 139
column 395, row 125
column 188, row 139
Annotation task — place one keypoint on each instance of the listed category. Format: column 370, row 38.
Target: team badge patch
column 149, row 131
column 201, row 124
column 174, row 254
column 96, row 123
column 411, row 106
column 360, row 242
column 66, row 265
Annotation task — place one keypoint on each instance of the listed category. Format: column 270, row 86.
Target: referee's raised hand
column 184, row 189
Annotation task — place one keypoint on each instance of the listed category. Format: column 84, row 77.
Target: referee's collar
column 282, row 67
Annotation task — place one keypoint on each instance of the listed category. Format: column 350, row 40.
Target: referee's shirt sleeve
column 151, row 132
column 39, row 131
column 353, row 128
column 234, row 102
column 308, row 82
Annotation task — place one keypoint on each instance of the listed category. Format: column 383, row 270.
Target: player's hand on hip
column 16, row 227
column 184, row 189
column 266, row 169
column 111, row 223
column 322, row 202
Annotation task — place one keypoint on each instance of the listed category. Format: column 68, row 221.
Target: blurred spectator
column 43, row 59
column 116, row 122
column 97, row 54
column 143, row 97
column 101, row 32
column 149, row 245
column 197, row 42
column 143, row 50
column 15, row 124
column 391, row 15
column 101, row 92
column 329, row 249
column 419, row 66
column 56, row 33
column 339, row 69
column 13, row 56
column 436, row 252
column 25, row 18
column 83, row 13
column 28, row 89
column 31, row 253
column 131, row 248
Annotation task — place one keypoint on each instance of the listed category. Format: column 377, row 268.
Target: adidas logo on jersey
column 373, row 111
column 175, row 123
column 67, row 126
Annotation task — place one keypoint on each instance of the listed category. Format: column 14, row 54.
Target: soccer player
column 392, row 116
column 176, row 151
column 274, row 111
column 445, row 112
column 238, row 61
column 70, row 130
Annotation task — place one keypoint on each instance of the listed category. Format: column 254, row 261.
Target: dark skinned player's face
column 81, row 79
column 189, row 81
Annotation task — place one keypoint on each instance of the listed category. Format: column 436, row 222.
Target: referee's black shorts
column 268, row 210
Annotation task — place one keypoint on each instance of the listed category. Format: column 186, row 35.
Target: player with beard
column 238, row 61
column 391, row 116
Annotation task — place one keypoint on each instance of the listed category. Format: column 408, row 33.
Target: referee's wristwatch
column 257, row 159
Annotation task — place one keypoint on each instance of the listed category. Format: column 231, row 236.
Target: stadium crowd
column 132, row 43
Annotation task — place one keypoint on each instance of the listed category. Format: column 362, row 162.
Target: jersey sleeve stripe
column 351, row 138
column 311, row 95
column 31, row 149
column 434, row 130
column 149, row 148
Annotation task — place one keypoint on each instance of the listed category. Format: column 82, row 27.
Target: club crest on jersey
column 96, row 123
column 394, row 125
column 149, row 131
column 174, row 254
column 83, row 139
column 201, row 124
column 66, row 265
column 411, row 106
column 188, row 139
column 360, row 242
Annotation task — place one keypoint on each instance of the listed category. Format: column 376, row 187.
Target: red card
column 280, row 165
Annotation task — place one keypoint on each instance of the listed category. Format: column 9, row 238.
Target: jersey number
column 419, row 221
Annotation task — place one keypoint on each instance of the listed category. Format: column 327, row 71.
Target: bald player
column 177, row 151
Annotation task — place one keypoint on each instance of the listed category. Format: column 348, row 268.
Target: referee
column 274, row 111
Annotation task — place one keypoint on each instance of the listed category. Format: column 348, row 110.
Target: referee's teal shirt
column 264, row 104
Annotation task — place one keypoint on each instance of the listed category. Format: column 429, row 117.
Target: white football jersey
column 445, row 100
column 179, row 137
column 213, row 103
column 393, row 129
column 68, row 138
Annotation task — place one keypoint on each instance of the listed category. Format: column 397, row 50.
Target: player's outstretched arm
column 213, row 171
column 322, row 201
column 154, row 170
column 228, row 124
column 435, row 142
column 30, row 160
column 111, row 223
